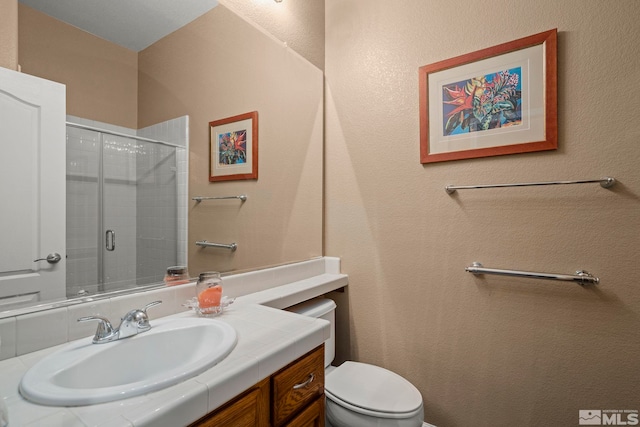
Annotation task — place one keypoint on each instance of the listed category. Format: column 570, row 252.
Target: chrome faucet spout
column 136, row 321
column 133, row 323
column 105, row 331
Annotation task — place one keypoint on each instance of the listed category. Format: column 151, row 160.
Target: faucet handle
column 105, row 331
column 143, row 317
column 151, row 304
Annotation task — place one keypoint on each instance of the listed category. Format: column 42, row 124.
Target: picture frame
column 233, row 148
column 495, row 101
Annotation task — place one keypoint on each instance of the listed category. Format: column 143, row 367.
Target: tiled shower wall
column 139, row 206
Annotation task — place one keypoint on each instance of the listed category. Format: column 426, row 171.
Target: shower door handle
column 110, row 240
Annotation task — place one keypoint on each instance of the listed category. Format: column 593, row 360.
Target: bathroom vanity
column 293, row 396
column 273, row 376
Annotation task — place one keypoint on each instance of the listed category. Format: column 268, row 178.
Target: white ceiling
column 134, row 24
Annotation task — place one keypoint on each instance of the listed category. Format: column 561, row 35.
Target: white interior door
column 32, row 189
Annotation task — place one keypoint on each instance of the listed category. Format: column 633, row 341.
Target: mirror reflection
column 124, row 225
column 217, row 66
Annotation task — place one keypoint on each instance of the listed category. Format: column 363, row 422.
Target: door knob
column 52, row 258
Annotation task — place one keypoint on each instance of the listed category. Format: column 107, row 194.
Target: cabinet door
column 312, row 416
column 251, row 409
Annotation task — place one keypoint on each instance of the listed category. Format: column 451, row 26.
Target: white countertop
column 268, row 339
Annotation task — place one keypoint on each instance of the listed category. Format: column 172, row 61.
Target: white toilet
column 359, row 394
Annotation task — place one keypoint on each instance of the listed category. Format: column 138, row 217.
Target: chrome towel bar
column 605, row 182
column 242, row 197
column 231, row 246
column 581, row 277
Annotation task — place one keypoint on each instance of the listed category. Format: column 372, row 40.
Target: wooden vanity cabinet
column 292, row 397
column 250, row 409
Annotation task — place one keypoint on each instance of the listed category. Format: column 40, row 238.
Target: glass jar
column 209, row 293
column 176, row 275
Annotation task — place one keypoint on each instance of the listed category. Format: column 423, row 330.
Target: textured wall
column 220, row 66
column 494, row 350
column 101, row 77
column 300, row 24
column 9, row 34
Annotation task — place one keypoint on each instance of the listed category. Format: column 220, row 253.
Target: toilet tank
column 321, row 308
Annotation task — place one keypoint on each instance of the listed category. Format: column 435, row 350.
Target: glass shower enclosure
column 124, row 220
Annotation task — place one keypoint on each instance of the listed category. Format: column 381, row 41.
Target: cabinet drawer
column 312, row 416
column 297, row 385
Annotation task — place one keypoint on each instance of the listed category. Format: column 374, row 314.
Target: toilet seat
column 372, row 390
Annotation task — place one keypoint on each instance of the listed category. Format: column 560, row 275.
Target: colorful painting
column 491, row 102
column 232, row 147
column 482, row 103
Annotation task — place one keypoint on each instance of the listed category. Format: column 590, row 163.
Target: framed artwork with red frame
column 495, row 101
column 233, row 146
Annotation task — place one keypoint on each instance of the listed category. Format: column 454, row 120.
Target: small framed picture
column 234, row 148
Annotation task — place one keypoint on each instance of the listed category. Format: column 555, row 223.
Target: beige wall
column 101, row 77
column 300, row 24
column 495, row 350
column 9, row 34
column 220, row 66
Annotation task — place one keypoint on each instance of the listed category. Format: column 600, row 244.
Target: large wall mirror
column 218, row 65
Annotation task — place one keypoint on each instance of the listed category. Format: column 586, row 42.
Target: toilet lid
column 372, row 388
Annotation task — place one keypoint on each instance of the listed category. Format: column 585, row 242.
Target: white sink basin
column 83, row 373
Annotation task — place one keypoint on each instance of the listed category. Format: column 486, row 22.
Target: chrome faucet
column 133, row 323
